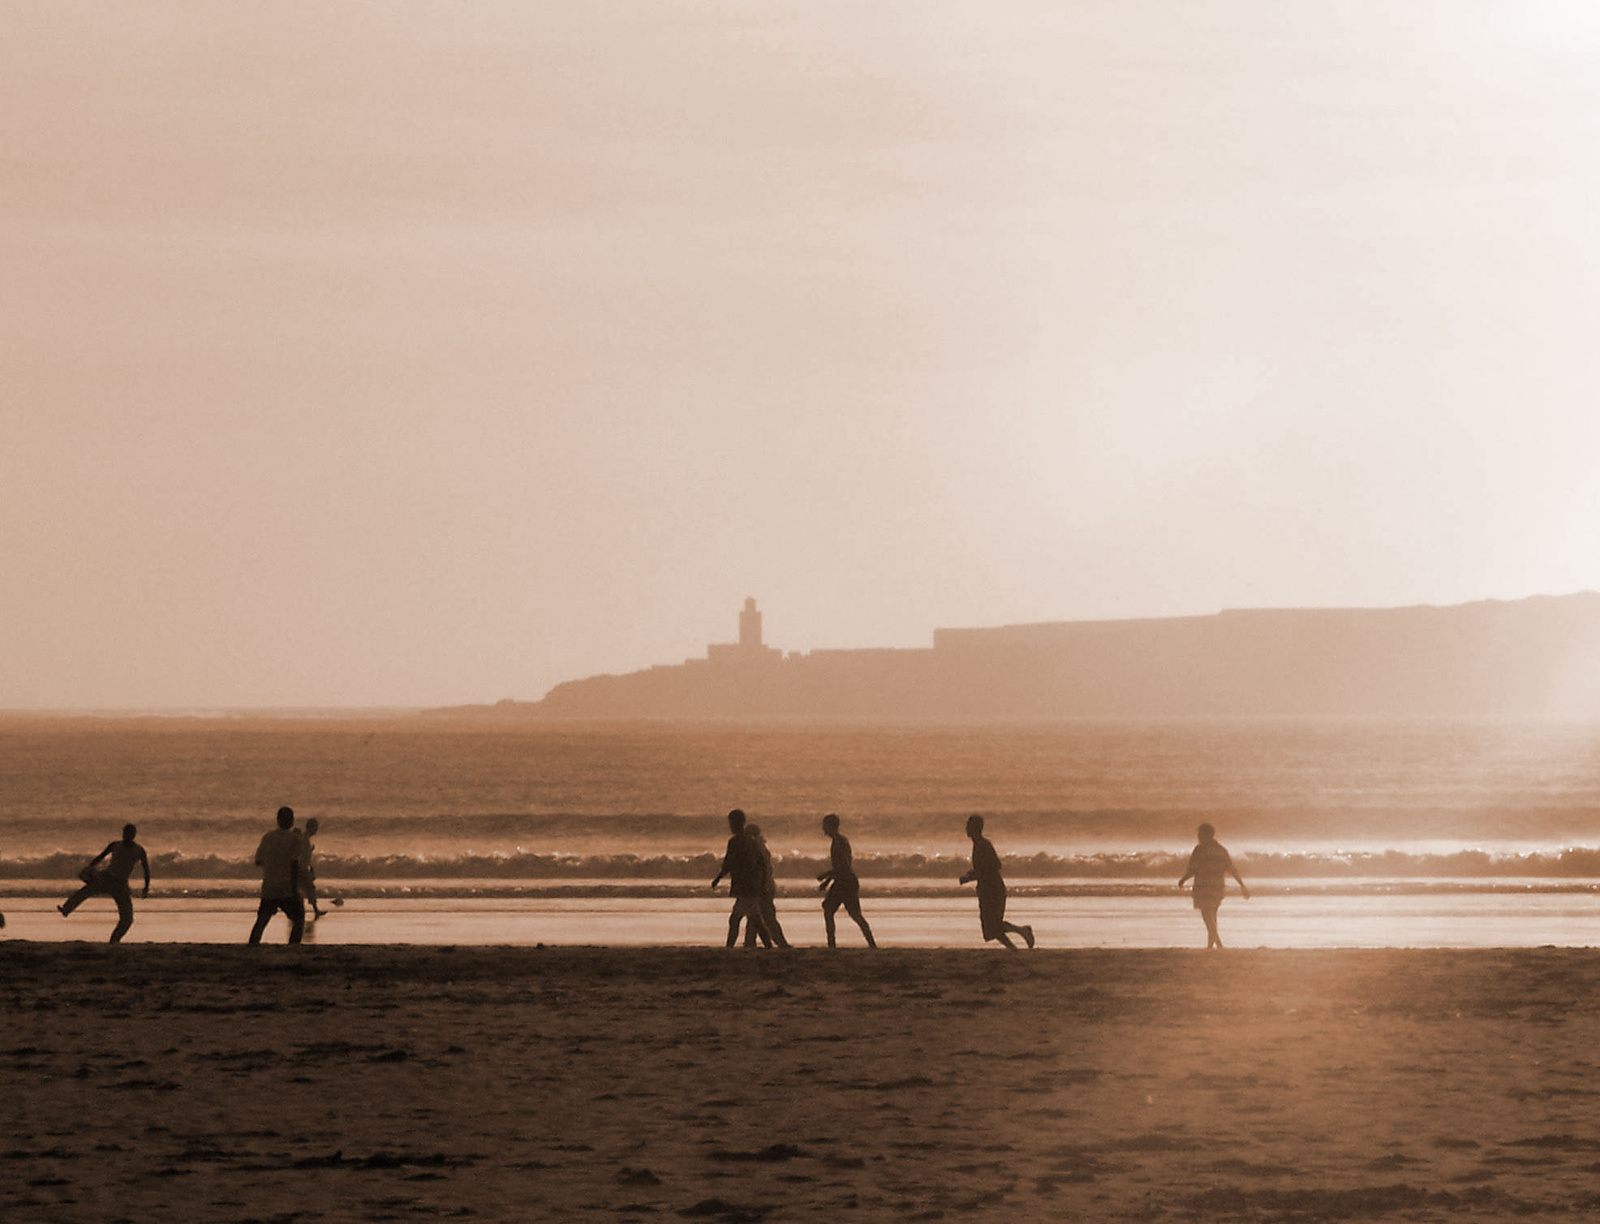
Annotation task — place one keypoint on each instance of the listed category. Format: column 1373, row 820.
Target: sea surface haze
column 409, row 802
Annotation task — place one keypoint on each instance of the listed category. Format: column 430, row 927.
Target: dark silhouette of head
column 311, row 826
column 736, row 820
column 974, row 825
column 1207, row 833
column 285, row 818
column 753, row 831
column 129, row 832
column 830, row 824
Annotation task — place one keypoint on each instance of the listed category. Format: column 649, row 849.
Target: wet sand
column 1308, row 919
column 169, row 1082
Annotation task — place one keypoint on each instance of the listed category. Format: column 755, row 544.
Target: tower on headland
column 750, row 626
column 749, row 648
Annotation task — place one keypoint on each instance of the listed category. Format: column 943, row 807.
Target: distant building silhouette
column 748, row 650
column 750, row 626
column 1534, row 656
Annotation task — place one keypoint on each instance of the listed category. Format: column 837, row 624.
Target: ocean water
column 495, row 816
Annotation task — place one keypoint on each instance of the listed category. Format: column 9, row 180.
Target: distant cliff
column 1529, row 657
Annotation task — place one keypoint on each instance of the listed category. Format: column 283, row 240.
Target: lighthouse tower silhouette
column 750, row 627
column 749, row 649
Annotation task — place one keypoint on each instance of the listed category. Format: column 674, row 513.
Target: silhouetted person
column 279, row 856
column 112, row 880
column 743, row 870
column 1210, row 864
column 308, row 870
column 769, row 894
column 991, row 889
column 844, row 887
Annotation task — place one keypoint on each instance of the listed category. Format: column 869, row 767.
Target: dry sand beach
column 165, row 1082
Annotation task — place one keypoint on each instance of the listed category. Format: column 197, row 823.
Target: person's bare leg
column 77, row 899
column 733, row 925
column 755, row 922
column 124, row 915
column 1213, row 940
column 853, row 908
column 769, row 911
column 264, row 913
column 1025, row 931
column 829, row 908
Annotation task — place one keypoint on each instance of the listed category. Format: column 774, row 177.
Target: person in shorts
column 113, row 880
column 1210, row 865
column 842, row 883
column 991, row 889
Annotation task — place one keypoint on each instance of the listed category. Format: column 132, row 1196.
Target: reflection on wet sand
column 1312, row 919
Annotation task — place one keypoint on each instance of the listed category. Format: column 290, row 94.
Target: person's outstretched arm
column 144, row 861
column 1234, row 872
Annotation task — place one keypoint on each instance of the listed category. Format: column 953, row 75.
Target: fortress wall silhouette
column 1537, row 656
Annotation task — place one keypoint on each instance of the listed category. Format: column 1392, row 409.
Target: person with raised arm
column 113, row 880
column 991, row 889
column 842, row 883
column 1210, row 865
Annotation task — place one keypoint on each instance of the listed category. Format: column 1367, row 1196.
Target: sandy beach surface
column 202, row 1082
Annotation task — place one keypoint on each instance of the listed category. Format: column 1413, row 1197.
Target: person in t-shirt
column 991, row 889
column 280, row 855
column 1210, row 865
column 112, row 880
column 842, row 883
column 743, row 869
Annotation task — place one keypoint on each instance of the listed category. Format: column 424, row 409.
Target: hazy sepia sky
column 410, row 353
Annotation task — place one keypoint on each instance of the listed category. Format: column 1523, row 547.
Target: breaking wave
column 1573, row 863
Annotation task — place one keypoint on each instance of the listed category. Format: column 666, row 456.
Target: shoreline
column 340, row 1083
column 797, row 892
column 1162, row 919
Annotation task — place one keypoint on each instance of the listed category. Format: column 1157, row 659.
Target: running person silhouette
column 1210, row 864
column 842, row 883
column 991, row 889
column 112, row 880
